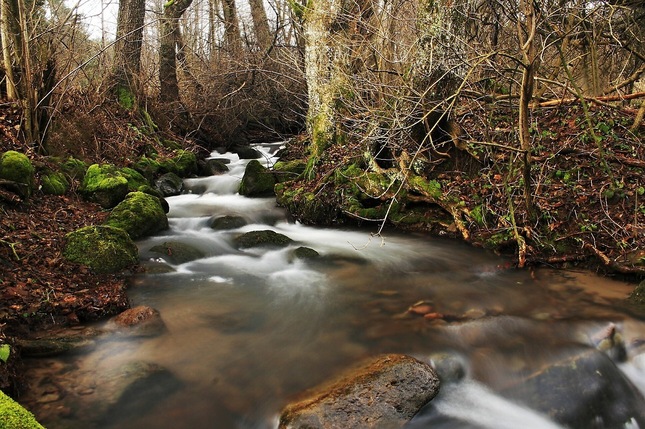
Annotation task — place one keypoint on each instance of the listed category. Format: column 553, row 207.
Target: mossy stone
column 74, row 168
column 148, row 167
column 228, row 222
column 257, row 181
column 16, row 167
column 54, row 183
column 134, row 178
column 139, row 214
column 183, row 163
column 305, row 253
column 104, row 249
column 289, row 170
column 104, row 184
column 14, row 416
column 177, row 253
column 265, row 238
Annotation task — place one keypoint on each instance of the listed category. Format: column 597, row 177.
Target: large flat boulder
column 382, row 393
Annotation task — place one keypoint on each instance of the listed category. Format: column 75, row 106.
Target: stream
column 247, row 330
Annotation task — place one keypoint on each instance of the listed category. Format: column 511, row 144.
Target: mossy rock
column 265, row 238
column 305, row 253
column 74, row 168
column 15, row 416
column 177, row 253
column 16, row 167
column 228, row 222
column 105, row 185
column 183, row 163
column 139, row 214
column 148, row 167
column 307, row 207
column 257, row 181
column 54, row 183
column 638, row 294
column 134, row 178
column 169, row 184
column 288, row 170
column 104, row 249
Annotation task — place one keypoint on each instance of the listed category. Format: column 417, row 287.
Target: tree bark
column 173, row 10
column 260, row 24
column 231, row 27
column 127, row 49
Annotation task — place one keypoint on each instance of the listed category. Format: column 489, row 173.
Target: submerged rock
column 177, row 253
column 228, row 222
column 265, row 238
column 104, row 249
column 141, row 321
column 583, row 391
column 383, row 393
column 257, row 181
column 139, row 214
column 56, row 343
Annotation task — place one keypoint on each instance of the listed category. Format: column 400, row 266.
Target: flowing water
column 247, row 330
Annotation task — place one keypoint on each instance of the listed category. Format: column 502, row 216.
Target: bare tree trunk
column 11, row 46
column 260, row 24
column 231, row 27
column 173, row 10
column 127, row 49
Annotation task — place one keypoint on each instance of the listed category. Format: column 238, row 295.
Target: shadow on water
column 249, row 329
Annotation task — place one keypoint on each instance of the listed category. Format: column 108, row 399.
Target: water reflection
column 248, row 329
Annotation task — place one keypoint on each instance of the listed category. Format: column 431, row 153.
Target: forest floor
column 590, row 196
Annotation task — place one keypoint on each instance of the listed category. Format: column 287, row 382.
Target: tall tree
column 260, row 24
column 231, row 27
column 127, row 49
column 168, row 37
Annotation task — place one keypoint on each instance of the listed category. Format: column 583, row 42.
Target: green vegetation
column 16, row 167
column 139, row 214
column 104, row 249
column 14, row 416
column 104, row 184
column 54, row 183
column 257, row 181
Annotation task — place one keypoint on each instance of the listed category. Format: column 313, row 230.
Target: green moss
column 126, row 98
column 134, row 178
column 183, row 163
column 257, row 180
column 148, row 167
column 54, row 183
column 103, row 248
column 74, row 168
column 14, row 416
column 17, row 167
column 289, row 170
column 139, row 214
column 266, row 238
column 431, row 188
column 104, row 184
column 477, row 214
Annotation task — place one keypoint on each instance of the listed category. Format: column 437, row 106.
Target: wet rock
column 257, row 181
column 385, row 392
column 265, row 238
column 177, row 253
column 169, row 184
column 638, row 294
column 57, row 343
column 211, row 167
column 305, row 253
column 246, row 152
column 610, row 341
column 139, row 214
column 104, row 249
column 584, row 391
column 228, row 222
column 140, row 321
column 449, row 367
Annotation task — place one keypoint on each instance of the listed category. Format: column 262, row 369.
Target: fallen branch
column 599, row 100
column 615, row 266
column 630, row 161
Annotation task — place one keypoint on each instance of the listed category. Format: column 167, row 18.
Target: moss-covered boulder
column 176, row 252
column 105, row 185
column 135, row 179
column 54, row 183
column 104, row 249
column 257, row 181
column 148, row 167
column 14, row 416
column 305, row 253
column 16, row 167
column 139, row 214
column 183, row 163
column 228, row 222
column 265, row 238
column 74, row 168
column 288, row 170
column 169, row 184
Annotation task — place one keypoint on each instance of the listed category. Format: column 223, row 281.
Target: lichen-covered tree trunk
column 127, row 49
column 173, row 10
